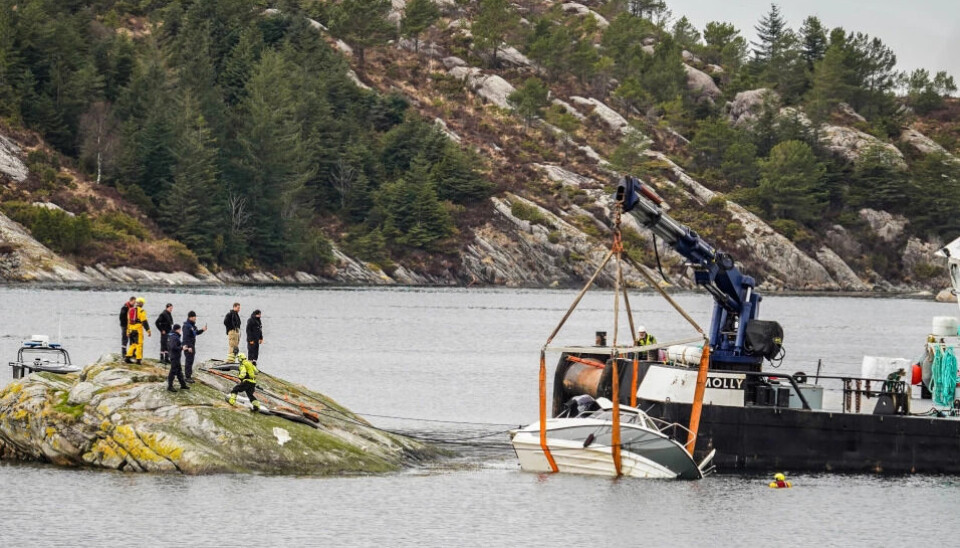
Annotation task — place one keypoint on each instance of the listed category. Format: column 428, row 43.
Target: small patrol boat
column 580, row 441
column 39, row 354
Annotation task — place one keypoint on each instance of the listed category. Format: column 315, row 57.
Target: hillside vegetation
column 268, row 135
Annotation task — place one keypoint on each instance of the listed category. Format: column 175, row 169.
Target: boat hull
column 644, row 454
column 762, row 439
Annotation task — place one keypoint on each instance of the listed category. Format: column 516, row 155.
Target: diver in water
column 780, row 482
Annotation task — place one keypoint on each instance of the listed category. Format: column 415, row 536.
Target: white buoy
column 682, row 353
column 944, row 326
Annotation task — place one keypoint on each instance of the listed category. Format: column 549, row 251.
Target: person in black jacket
column 164, row 324
column 190, row 334
column 124, row 314
column 174, row 347
column 233, row 323
column 254, row 336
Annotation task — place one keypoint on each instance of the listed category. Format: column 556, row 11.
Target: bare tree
column 343, row 177
column 239, row 216
column 98, row 137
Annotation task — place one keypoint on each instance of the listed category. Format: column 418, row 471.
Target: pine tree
column 830, row 85
column 530, row 99
column 791, row 183
column 273, row 164
column 685, row 34
column 495, row 22
column 193, row 210
column 418, row 16
column 363, row 24
column 771, row 31
column 813, row 40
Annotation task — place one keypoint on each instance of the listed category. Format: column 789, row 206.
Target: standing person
column 124, row 318
column 190, row 334
column 233, row 322
column 254, row 336
column 248, row 382
column 137, row 323
column 164, row 324
column 645, row 339
column 174, row 347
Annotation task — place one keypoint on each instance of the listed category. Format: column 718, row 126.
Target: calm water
column 459, row 355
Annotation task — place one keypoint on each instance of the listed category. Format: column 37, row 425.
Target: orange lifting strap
column 543, row 412
column 698, row 398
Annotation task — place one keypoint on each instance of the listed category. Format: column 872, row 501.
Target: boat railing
column 670, row 428
column 856, row 388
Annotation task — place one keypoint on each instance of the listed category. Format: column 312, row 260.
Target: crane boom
column 735, row 331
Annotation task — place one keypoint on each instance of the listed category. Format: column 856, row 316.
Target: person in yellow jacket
column 137, row 323
column 780, row 482
column 248, row 382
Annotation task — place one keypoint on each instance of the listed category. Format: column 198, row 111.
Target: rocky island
column 120, row 416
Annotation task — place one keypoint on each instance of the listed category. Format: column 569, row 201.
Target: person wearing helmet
column 137, row 323
column 780, row 481
column 646, row 339
column 248, row 382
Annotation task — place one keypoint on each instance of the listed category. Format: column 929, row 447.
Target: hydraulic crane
column 738, row 339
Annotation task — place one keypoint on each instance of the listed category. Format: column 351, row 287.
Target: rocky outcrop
column 747, row 105
column 10, row 163
column 922, row 144
column 850, row 144
column 841, row 272
column 580, row 9
column 612, row 118
column 490, row 87
column 887, row 226
column 119, row 416
column 787, row 267
column 23, row 259
column 542, row 250
column 701, row 84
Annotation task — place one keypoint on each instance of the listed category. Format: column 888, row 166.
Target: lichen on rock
column 120, row 416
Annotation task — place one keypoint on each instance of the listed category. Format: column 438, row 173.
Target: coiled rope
column 944, row 376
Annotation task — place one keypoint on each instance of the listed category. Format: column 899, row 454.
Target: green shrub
column 530, row 213
column 558, row 116
column 54, row 228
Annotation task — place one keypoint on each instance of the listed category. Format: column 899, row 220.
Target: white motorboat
column 39, row 354
column 579, row 439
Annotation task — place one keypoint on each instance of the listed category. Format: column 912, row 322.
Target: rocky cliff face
column 119, row 416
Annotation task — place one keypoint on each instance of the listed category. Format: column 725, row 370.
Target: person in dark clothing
column 233, row 323
column 174, row 348
column 190, row 334
column 164, row 324
column 124, row 315
column 254, row 336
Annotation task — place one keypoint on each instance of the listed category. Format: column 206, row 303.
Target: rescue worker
column 137, row 323
column 254, row 336
column 124, row 316
column 248, row 382
column 780, row 482
column 164, row 324
column 233, row 323
column 190, row 334
column 645, row 339
column 174, row 347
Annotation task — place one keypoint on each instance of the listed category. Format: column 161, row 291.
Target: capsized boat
column 580, row 441
column 39, row 354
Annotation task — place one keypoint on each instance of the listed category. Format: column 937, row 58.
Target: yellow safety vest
column 248, row 372
column 650, row 339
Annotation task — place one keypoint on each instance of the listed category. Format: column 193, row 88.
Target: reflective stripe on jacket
column 248, row 372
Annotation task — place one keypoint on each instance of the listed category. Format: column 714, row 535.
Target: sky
column 922, row 33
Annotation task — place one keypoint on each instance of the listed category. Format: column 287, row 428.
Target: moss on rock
column 125, row 419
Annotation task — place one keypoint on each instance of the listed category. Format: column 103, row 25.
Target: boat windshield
column 626, row 417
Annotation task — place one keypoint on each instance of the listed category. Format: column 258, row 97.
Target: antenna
column 60, row 327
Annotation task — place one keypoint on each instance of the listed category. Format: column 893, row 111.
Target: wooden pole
column 698, row 396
